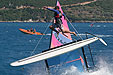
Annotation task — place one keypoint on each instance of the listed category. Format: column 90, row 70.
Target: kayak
column 29, row 32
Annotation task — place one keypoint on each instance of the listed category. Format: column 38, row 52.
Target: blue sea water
column 15, row 45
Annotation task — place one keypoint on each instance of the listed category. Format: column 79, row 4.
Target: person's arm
column 64, row 16
column 53, row 10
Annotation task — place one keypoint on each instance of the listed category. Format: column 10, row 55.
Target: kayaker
column 31, row 29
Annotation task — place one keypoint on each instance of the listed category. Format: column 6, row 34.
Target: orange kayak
column 29, row 32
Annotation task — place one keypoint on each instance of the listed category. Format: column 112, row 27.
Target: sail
column 70, row 57
column 60, row 40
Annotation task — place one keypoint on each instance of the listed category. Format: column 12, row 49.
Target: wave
column 48, row 34
column 103, row 69
column 37, row 69
column 97, row 35
column 104, row 35
column 98, row 26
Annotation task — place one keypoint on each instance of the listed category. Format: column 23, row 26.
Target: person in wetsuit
column 58, row 22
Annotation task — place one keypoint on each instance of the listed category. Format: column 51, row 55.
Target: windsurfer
column 57, row 21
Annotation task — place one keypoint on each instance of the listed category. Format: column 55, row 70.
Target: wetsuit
column 57, row 15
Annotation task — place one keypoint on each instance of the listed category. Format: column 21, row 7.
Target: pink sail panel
column 55, row 42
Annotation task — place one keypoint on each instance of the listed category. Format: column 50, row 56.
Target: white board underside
column 54, row 52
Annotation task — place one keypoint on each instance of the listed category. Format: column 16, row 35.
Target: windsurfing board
column 54, row 52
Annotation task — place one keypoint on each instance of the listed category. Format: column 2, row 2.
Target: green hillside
column 24, row 10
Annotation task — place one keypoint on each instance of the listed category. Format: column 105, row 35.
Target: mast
column 47, row 67
column 90, row 52
column 85, row 58
column 46, row 62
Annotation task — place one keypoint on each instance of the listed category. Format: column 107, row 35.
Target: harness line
column 74, row 28
column 40, row 40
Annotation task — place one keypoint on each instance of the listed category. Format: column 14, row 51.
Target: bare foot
column 74, row 33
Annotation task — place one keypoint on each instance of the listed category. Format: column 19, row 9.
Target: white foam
column 104, row 35
column 71, row 71
column 97, row 35
column 98, row 25
column 37, row 69
column 48, row 34
column 104, row 69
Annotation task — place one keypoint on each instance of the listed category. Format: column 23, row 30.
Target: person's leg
column 66, row 31
column 62, row 31
column 52, row 28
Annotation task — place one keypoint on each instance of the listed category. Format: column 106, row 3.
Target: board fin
column 101, row 40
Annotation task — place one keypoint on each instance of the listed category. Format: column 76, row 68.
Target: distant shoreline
column 72, row 22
